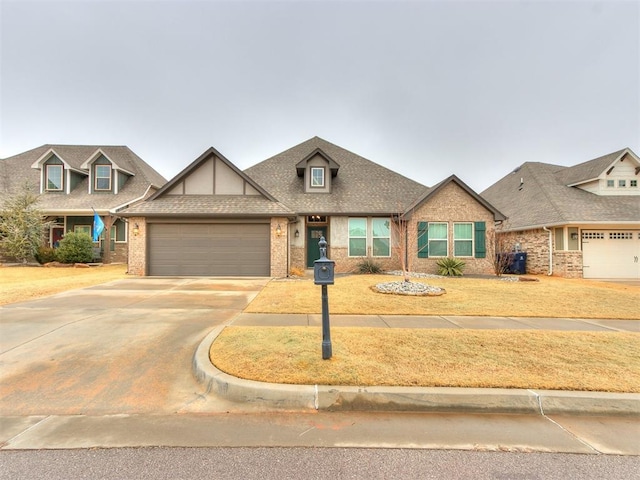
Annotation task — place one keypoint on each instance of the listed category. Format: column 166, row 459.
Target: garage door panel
column 209, row 249
column 611, row 254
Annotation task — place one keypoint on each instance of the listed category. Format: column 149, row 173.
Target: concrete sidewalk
column 416, row 399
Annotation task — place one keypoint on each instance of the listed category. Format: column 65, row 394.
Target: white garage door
column 203, row 249
column 611, row 253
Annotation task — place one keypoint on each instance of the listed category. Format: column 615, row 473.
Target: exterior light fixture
column 278, row 230
column 136, row 230
column 297, row 234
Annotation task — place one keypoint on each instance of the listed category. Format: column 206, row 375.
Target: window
column 357, row 237
column 437, row 235
column 317, row 177
column 611, row 183
column 633, row 183
column 54, row 177
column 462, row 239
column 82, row 229
column 622, row 183
column 103, row 177
column 381, row 237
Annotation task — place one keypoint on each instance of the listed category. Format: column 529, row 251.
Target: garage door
column 209, row 249
column 611, row 254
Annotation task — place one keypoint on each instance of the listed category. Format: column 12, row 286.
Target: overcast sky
column 425, row 88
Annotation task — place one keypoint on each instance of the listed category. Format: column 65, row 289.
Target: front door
column 313, row 237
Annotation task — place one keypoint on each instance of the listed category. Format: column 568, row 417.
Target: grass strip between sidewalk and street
column 554, row 360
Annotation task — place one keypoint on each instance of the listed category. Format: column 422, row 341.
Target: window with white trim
column 317, row 176
column 82, row 229
column 611, row 183
column 103, row 177
column 54, row 177
column 357, row 237
column 438, row 243
column 622, row 183
column 463, row 239
column 381, row 237
column 633, row 183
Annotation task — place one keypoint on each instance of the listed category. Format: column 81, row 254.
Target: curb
column 406, row 399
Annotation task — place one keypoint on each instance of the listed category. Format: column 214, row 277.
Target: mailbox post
column 323, row 275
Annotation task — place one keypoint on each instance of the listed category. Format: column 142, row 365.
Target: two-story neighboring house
column 74, row 181
column 579, row 221
column 213, row 219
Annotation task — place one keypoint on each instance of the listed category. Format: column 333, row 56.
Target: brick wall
column 453, row 204
column 279, row 247
column 137, row 246
column 566, row 263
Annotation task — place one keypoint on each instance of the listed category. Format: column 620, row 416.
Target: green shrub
column 45, row 255
column 368, row 266
column 75, row 248
column 450, row 267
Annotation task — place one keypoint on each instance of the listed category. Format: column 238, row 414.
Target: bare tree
column 503, row 243
column 405, row 241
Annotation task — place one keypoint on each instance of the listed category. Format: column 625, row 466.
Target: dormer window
column 317, row 177
column 103, row 177
column 54, row 178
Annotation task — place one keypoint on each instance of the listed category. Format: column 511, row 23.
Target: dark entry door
column 313, row 237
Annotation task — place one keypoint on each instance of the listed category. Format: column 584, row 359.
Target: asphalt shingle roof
column 360, row 187
column 543, row 198
column 209, row 206
column 16, row 170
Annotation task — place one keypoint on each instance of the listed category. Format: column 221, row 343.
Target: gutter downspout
column 550, row 250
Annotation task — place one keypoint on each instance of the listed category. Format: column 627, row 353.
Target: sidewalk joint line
column 544, row 415
column 316, row 400
column 5, row 444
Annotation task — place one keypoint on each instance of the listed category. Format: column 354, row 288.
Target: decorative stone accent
column 137, row 246
column 408, row 288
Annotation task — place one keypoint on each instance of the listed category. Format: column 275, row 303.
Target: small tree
column 404, row 241
column 22, row 225
column 75, row 248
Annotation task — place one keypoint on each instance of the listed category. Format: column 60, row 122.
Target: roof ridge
column 542, row 188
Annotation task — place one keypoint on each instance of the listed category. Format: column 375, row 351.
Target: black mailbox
column 323, row 267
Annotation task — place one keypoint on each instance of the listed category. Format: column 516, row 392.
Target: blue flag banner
column 98, row 226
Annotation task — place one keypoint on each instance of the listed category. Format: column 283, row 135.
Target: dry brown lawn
column 18, row 284
column 593, row 361
column 547, row 297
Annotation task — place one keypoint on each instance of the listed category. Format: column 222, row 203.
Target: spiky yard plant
column 450, row 267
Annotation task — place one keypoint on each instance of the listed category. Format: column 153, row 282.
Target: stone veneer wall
column 137, row 246
column 453, row 204
column 279, row 252
column 566, row 263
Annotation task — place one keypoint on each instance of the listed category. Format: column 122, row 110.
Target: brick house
column 577, row 222
column 74, row 181
column 213, row 219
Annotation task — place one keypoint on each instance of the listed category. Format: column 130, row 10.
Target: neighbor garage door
column 611, row 254
column 211, row 249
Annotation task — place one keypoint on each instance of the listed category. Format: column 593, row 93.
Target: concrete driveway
column 121, row 347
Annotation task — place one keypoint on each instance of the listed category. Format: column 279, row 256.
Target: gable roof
column 333, row 165
column 360, row 186
column 163, row 204
column 538, row 194
column 592, row 169
column 18, row 169
column 454, row 179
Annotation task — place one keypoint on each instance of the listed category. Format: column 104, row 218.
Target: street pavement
column 112, row 366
